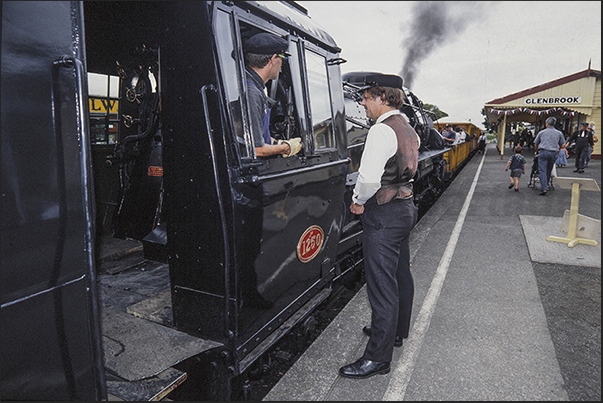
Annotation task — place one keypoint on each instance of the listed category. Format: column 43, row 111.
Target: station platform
column 480, row 330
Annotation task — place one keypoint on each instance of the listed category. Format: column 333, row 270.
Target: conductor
column 383, row 196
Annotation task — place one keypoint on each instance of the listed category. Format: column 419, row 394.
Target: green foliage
column 435, row 111
column 490, row 127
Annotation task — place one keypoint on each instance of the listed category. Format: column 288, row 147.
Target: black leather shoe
column 397, row 343
column 364, row 369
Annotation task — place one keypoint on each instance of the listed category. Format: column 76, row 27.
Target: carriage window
column 231, row 78
column 320, row 101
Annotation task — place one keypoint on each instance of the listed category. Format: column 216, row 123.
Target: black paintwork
column 229, row 225
column 50, row 337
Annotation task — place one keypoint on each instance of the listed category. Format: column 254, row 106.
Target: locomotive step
column 152, row 389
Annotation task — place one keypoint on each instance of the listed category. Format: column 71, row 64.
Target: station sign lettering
column 552, row 100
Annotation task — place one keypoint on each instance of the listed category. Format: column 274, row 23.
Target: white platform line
column 400, row 377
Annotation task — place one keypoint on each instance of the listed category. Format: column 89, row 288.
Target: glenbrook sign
column 552, row 100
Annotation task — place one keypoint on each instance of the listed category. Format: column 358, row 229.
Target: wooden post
column 576, row 183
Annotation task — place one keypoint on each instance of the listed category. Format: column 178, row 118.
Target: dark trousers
column 546, row 161
column 581, row 154
column 390, row 287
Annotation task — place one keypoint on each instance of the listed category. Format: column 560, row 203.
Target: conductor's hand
column 357, row 208
column 294, row 144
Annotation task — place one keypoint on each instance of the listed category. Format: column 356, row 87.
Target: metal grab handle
column 212, row 149
column 69, row 61
column 83, row 127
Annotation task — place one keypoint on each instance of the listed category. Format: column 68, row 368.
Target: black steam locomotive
column 239, row 250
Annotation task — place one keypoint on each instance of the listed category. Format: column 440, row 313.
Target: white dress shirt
column 381, row 144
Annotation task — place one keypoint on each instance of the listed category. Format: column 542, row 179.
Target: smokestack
column 434, row 23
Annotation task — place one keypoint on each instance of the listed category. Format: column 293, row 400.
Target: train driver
column 264, row 56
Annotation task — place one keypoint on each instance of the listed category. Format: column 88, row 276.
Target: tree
column 490, row 126
column 437, row 113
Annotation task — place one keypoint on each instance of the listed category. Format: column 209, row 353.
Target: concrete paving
column 479, row 329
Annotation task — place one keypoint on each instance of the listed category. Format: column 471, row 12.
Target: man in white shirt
column 383, row 196
column 462, row 136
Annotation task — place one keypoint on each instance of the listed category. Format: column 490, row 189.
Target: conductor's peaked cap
column 267, row 44
column 383, row 80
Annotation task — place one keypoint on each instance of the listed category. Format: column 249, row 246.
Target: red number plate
column 310, row 243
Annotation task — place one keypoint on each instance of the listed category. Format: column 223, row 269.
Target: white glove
column 295, row 146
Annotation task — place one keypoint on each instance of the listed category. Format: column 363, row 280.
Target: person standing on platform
column 515, row 139
column 547, row 144
column 482, row 140
column 517, row 163
column 591, row 127
column 584, row 140
column 562, row 158
column 383, row 197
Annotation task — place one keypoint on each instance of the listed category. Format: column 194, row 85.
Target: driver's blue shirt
column 259, row 110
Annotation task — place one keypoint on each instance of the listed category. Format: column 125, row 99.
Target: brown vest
column 402, row 166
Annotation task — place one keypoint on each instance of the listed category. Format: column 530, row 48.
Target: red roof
column 546, row 86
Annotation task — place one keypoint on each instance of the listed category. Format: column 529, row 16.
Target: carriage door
column 49, row 336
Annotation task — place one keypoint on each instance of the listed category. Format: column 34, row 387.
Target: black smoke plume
column 434, row 24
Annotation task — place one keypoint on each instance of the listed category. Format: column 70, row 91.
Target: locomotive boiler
column 238, row 250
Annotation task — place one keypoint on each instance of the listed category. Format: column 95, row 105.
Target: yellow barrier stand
column 576, row 184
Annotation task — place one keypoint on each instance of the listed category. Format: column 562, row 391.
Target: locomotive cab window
column 320, row 101
column 226, row 40
column 283, row 96
column 283, row 101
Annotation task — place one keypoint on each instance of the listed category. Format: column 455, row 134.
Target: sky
column 458, row 55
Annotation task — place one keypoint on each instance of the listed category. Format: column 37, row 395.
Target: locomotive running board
column 283, row 329
column 151, row 389
column 139, row 353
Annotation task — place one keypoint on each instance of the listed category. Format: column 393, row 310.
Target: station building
column 572, row 100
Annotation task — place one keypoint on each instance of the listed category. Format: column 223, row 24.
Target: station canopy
column 567, row 96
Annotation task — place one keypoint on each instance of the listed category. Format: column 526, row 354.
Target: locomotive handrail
column 212, row 150
column 83, row 125
column 357, row 122
column 262, row 178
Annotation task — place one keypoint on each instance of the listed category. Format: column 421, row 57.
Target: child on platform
column 517, row 163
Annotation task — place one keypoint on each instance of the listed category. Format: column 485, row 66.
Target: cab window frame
column 311, row 49
column 238, row 22
column 230, row 59
column 252, row 22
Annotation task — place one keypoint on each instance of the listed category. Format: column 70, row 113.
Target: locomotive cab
column 252, row 244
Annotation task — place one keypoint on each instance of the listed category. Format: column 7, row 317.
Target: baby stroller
column 535, row 176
